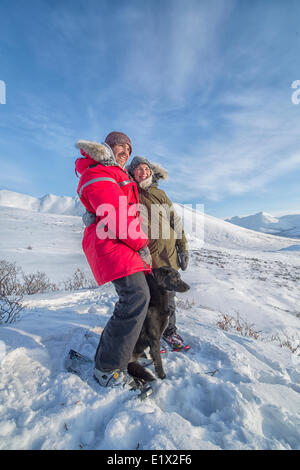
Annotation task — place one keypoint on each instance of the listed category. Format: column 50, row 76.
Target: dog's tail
column 137, row 370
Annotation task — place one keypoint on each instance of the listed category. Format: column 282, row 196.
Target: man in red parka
column 115, row 248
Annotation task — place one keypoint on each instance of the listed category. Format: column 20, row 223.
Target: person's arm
column 181, row 241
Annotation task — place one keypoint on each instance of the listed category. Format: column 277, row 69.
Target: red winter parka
column 111, row 244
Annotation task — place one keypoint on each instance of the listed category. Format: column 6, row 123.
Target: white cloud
column 256, row 145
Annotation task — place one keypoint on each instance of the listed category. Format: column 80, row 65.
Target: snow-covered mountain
column 49, row 203
column 284, row 226
column 236, row 388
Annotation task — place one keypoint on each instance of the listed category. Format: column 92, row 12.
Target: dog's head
column 169, row 279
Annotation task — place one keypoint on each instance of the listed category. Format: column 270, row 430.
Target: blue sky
column 202, row 87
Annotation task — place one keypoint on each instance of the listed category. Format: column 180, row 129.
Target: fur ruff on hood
column 158, row 172
column 101, row 153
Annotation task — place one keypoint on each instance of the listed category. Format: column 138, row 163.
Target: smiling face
column 122, row 153
column 141, row 172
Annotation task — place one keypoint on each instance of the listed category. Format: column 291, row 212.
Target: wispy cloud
column 202, row 87
column 12, row 176
column 41, row 126
column 237, row 132
column 177, row 52
column 255, row 143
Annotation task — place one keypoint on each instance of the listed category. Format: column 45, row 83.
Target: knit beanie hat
column 118, row 138
column 135, row 162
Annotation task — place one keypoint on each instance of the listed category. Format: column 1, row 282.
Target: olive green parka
column 160, row 221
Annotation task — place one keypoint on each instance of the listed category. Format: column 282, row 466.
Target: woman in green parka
column 167, row 241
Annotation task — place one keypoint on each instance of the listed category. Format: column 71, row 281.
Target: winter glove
column 183, row 260
column 145, row 255
column 88, row 218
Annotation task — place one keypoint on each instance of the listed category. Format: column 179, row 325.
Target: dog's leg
column 155, row 355
column 136, row 370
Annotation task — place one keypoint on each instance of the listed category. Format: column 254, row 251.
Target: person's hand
column 183, row 260
column 146, row 255
column 88, row 218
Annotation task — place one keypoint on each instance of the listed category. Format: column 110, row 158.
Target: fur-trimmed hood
column 101, row 153
column 158, row 172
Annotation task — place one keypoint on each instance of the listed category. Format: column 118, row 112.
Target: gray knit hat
column 135, row 162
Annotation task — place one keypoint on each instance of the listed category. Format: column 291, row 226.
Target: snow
column 49, row 203
column 41, row 241
column 287, row 225
column 229, row 391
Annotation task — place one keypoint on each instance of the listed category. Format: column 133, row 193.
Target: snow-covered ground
column 229, row 391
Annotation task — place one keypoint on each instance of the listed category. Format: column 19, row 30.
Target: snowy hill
column 285, row 226
column 38, row 240
column 236, row 388
column 48, row 203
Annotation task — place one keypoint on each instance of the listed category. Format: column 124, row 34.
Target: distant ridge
column 215, row 230
column 49, row 203
column 284, row 226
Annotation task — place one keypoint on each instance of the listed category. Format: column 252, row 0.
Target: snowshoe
column 81, row 365
column 174, row 343
column 75, row 360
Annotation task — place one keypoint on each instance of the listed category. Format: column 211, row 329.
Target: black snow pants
column 123, row 328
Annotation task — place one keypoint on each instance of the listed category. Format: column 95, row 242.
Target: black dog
column 160, row 281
